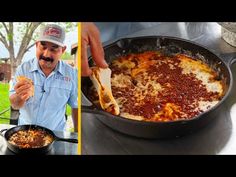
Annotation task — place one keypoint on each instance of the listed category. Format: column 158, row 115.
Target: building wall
column 5, row 72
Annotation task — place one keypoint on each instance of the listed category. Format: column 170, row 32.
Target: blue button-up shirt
column 51, row 94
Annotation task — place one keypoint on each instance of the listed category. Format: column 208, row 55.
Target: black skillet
column 170, row 46
column 40, row 150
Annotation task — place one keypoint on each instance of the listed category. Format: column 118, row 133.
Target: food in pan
column 32, row 138
column 151, row 86
column 23, row 78
column 101, row 80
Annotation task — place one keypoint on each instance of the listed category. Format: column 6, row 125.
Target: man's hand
column 91, row 37
column 23, row 90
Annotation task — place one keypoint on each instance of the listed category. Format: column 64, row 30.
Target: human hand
column 24, row 90
column 91, row 37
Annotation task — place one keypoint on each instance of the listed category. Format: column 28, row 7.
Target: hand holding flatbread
column 101, row 79
column 24, row 87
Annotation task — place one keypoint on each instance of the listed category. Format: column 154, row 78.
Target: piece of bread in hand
column 23, row 78
column 101, row 79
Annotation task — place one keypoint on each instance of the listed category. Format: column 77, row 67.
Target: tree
column 66, row 56
column 7, row 38
column 25, row 38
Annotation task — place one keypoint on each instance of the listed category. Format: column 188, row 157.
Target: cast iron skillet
column 41, row 150
column 170, row 46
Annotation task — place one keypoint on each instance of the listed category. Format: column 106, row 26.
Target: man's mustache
column 46, row 58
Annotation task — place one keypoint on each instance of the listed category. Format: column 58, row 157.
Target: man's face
column 48, row 54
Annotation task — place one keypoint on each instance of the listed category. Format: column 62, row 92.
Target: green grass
column 4, row 102
column 68, row 110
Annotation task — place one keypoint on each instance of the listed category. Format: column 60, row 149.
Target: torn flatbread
column 101, row 79
column 23, row 78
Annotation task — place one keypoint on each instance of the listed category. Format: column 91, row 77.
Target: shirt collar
column 59, row 68
column 35, row 65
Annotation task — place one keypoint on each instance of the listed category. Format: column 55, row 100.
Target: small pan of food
column 31, row 139
column 157, row 86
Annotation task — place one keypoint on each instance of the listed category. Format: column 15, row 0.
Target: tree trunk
column 14, row 65
column 24, row 47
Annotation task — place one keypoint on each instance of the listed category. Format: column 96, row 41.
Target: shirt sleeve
column 73, row 100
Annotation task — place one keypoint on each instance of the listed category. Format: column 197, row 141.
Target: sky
column 71, row 38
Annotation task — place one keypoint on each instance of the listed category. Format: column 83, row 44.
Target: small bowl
column 228, row 32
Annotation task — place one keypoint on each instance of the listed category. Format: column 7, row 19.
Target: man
column 55, row 84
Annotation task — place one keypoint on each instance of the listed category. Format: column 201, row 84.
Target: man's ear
column 63, row 49
column 37, row 43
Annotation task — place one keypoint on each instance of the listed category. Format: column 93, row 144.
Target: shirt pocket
column 38, row 93
column 58, row 94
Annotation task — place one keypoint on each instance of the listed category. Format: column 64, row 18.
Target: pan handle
column 70, row 140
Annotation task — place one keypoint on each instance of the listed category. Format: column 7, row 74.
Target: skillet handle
column 70, row 140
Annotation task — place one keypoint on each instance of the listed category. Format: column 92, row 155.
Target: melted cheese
column 140, row 87
column 202, row 72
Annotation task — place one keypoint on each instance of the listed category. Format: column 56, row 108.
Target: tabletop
column 219, row 137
